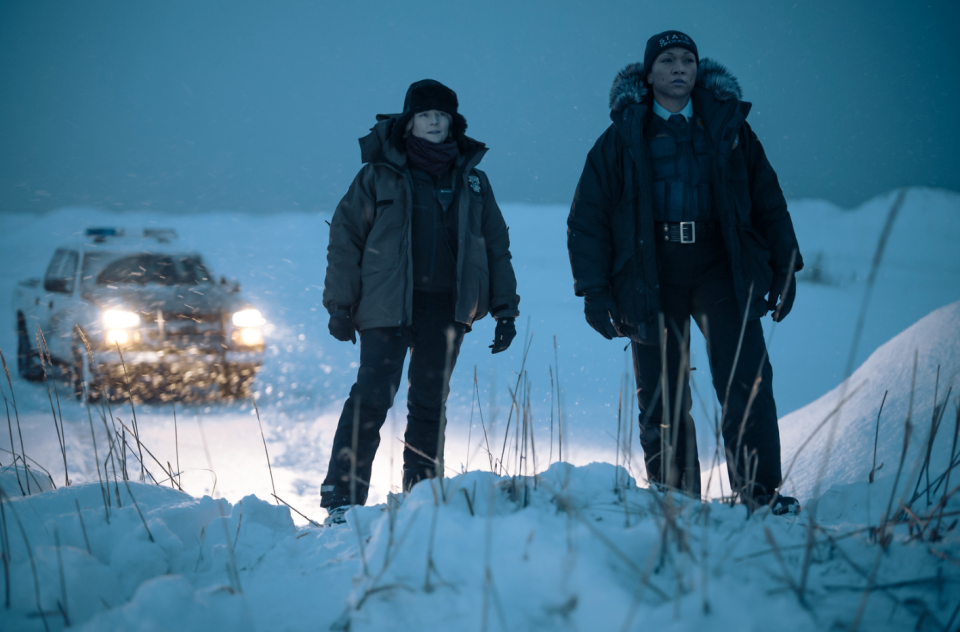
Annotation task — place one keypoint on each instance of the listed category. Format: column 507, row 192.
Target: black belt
column 686, row 232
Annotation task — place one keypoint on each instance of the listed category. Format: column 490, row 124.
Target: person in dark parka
column 418, row 252
column 678, row 213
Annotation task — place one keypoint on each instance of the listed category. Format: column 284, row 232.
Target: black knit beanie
column 425, row 95
column 668, row 39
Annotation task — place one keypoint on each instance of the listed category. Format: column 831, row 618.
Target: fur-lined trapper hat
column 422, row 96
column 630, row 85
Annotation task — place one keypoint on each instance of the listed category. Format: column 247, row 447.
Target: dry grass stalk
column 83, row 527
column 556, row 362
column 486, row 439
column 5, row 552
column 33, row 563
column 393, row 434
column 442, row 426
column 142, row 465
column 851, row 358
column 96, row 459
column 872, row 278
column 533, row 440
column 616, row 464
column 111, row 456
column 16, row 414
column 13, row 449
column 679, row 412
column 176, row 443
column 736, row 361
column 234, row 572
column 836, row 409
column 419, row 452
column 935, row 422
column 953, row 449
column 313, row 522
column 61, row 437
column 704, row 558
column 506, row 435
column 431, row 566
column 666, row 454
column 550, row 455
column 62, row 603
column 876, row 438
column 907, row 432
column 133, row 412
column 466, row 463
column 269, row 467
column 139, row 513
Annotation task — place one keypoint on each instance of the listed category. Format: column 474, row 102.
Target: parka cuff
column 505, row 311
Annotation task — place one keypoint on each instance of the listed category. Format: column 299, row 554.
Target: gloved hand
column 785, row 298
column 504, row 334
column 600, row 309
column 341, row 326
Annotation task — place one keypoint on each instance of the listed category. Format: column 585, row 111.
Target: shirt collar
column 665, row 114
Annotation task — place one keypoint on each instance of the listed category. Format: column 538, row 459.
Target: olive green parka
column 369, row 258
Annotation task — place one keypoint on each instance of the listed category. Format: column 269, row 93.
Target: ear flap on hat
column 458, row 126
column 398, row 131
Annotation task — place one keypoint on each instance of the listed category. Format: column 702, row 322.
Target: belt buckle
column 684, row 228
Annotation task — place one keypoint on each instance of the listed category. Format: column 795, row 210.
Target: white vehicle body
column 137, row 316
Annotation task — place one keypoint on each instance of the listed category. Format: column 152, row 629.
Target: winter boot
column 412, row 476
column 779, row 505
column 337, row 515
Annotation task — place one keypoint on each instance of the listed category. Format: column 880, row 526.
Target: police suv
column 136, row 316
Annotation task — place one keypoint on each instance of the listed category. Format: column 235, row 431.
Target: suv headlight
column 248, row 318
column 120, row 319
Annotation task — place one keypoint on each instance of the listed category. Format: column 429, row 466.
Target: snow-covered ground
column 581, row 553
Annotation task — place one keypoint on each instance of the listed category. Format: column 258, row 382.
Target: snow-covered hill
column 905, row 375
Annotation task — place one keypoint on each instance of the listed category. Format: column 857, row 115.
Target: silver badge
column 474, row 183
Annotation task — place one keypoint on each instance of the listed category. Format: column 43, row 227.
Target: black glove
column 785, row 297
column 341, row 326
column 600, row 309
column 503, row 335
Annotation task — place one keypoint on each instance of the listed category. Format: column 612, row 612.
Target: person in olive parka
column 678, row 212
column 418, row 252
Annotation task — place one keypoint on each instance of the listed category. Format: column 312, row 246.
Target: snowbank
column 850, row 432
column 577, row 548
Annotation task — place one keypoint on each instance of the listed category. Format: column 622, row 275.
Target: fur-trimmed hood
column 379, row 145
column 630, row 85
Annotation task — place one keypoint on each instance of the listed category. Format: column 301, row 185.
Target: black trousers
column 382, row 351
column 695, row 280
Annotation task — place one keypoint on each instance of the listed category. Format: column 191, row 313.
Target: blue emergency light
column 104, row 232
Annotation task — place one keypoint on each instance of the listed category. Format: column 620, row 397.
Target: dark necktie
column 677, row 119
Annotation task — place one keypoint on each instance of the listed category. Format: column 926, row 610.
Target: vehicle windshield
column 145, row 269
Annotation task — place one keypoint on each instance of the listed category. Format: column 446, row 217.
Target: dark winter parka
column 610, row 234
column 369, row 256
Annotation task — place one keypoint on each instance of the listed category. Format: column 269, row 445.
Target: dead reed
column 269, row 467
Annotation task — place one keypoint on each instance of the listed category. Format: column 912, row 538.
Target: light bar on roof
column 104, row 232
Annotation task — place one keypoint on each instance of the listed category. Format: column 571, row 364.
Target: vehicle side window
column 50, row 279
column 61, row 272
column 54, row 268
column 69, row 270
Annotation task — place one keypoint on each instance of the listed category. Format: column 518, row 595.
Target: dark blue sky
column 199, row 106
